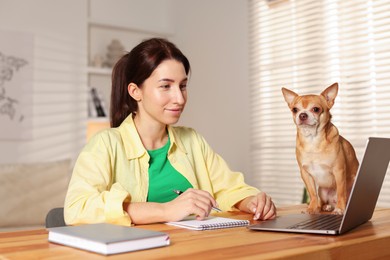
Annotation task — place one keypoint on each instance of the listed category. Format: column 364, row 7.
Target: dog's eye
column 294, row 110
column 316, row 109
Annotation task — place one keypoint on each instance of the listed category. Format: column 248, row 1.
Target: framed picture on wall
column 16, row 85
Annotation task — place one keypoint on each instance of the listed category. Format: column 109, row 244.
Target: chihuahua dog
column 327, row 161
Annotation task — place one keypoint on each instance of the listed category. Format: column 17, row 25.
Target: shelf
column 99, row 71
column 98, row 119
column 120, row 27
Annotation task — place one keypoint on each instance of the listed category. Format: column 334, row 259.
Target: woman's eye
column 183, row 86
column 166, row 86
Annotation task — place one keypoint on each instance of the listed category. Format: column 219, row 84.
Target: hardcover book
column 108, row 239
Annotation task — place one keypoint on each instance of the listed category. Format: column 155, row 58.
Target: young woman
column 128, row 173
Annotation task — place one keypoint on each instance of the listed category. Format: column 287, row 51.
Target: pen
column 178, row 192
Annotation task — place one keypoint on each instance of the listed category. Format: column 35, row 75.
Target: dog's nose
column 303, row 116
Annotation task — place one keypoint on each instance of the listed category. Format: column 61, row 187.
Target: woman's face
column 163, row 95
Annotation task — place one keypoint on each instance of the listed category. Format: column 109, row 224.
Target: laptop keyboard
column 320, row 222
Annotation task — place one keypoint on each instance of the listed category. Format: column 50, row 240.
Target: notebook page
column 209, row 223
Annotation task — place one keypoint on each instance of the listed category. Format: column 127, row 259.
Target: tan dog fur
column 327, row 161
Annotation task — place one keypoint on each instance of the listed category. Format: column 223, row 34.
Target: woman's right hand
column 192, row 201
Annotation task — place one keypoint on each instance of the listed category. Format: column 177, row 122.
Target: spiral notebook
column 209, row 223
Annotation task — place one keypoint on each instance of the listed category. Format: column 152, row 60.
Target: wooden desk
column 369, row 241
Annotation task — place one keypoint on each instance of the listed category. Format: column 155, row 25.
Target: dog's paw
column 314, row 210
column 338, row 211
column 327, row 208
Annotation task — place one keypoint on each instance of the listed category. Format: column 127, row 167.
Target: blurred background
column 56, row 58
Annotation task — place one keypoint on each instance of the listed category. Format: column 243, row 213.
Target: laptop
column 361, row 203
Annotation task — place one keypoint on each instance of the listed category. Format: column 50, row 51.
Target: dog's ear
column 330, row 94
column 289, row 95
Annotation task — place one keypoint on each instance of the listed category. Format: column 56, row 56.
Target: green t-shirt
column 163, row 178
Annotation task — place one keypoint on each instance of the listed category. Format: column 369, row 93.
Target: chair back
column 55, row 218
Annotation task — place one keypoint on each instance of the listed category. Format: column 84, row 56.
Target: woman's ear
column 134, row 91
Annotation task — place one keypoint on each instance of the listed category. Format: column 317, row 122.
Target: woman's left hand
column 260, row 205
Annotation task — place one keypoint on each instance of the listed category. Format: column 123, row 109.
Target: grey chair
column 55, row 218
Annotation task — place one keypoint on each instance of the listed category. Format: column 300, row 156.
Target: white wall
column 144, row 15
column 213, row 35
column 59, row 79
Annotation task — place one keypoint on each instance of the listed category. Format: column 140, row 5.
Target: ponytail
column 122, row 104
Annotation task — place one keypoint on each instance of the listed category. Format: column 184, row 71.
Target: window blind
column 307, row 45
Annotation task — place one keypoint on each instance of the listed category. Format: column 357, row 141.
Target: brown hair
column 135, row 67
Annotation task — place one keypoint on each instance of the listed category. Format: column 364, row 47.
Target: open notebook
column 361, row 203
column 208, row 223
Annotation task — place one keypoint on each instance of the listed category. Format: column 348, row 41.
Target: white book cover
column 108, row 239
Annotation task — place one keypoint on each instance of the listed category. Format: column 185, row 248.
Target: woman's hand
column 192, row 201
column 197, row 202
column 260, row 205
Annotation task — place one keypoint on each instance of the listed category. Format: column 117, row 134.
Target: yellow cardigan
column 113, row 168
